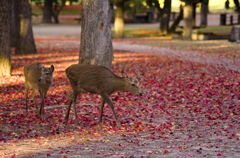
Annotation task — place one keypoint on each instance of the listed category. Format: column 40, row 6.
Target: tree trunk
column 187, row 20
column 5, row 62
column 57, row 9
column 176, row 22
column 12, row 24
column 55, row 17
column 119, row 21
column 164, row 20
column 150, row 13
column 194, row 14
column 25, row 41
column 204, row 13
column 96, row 41
column 47, row 11
column 236, row 2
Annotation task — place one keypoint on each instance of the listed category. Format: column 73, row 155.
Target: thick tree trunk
column 12, row 23
column 5, row 62
column 204, row 13
column 47, row 11
column 187, row 17
column 96, row 41
column 24, row 34
column 164, row 20
column 119, row 21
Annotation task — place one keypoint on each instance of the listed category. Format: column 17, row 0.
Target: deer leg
column 26, row 97
column 34, row 99
column 41, row 111
column 102, row 106
column 75, row 94
column 108, row 100
column 69, row 108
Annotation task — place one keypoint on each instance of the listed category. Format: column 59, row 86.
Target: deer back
column 32, row 73
column 91, row 78
column 99, row 79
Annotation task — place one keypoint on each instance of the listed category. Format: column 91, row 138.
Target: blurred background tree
column 24, row 34
column 52, row 8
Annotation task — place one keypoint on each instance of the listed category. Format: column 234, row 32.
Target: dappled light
column 24, row 23
column 182, row 101
column 174, row 89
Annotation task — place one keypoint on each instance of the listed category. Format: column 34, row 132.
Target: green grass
column 213, row 29
column 153, row 31
column 141, row 31
column 38, row 11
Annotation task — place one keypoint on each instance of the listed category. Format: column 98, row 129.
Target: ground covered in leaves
column 187, row 110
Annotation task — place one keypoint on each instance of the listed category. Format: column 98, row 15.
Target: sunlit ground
column 189, row 103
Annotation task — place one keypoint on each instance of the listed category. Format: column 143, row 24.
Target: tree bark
column 187, row 20
column 24, row 34
column 47, row 11
column 5, row 62
column 12, row 23
column 164, row 20
column 204, row 13
column 96, row 41
column 119, row 21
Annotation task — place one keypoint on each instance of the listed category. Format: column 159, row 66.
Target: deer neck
column 120, row 84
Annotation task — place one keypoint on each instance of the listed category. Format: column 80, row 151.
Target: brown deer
column 99, row 80
column 39, row 78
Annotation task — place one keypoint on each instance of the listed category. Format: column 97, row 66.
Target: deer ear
column 139, row 77
column 52, row 68
column 124, row 75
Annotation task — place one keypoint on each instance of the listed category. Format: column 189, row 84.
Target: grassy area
column 152, row 37
column 68, row 10
column 153, row 31
column 138, row 31
column 208, row 46
column 63, row 12
column 211, row 28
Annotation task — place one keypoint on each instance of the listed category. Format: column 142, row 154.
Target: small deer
column 99, row 80
column 39, row 78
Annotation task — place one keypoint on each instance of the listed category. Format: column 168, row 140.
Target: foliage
column 41, row 2
column 58, row 6
column 137, row 6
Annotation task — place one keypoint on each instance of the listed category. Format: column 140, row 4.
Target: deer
column 40, row 79
column 99, row 80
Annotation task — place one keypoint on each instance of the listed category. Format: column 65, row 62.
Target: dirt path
column 231, row 62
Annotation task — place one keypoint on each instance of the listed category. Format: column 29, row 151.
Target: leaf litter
column 187, row 110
